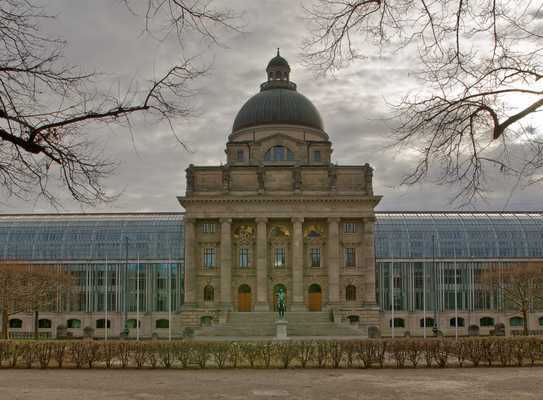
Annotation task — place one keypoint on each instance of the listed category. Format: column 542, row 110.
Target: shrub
column 250, row 352
column 59, row 352
column 202, row 352
column 305, row 350
column 44, row 352
column 140, row 352
column 219, row 352
column 286, row 351
column 183, row 353
column 401, row 352
column 266, row 353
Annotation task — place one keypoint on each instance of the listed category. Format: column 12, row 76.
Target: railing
column 29, row 335
column 535, row 332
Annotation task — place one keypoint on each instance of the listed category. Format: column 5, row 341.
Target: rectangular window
column 279, row 260
column 209, row 227
column 349, row 257
column 244, row 257
column 449, row 277
column 209, row 257
column 317, row 155
column 241, row 155
column 349, row 227
column 315, row 255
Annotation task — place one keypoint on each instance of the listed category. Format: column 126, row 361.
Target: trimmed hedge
column 369, row 353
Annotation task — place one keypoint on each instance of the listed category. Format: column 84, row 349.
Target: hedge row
column 397, row 353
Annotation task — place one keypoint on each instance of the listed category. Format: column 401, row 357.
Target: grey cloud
column 103, row 36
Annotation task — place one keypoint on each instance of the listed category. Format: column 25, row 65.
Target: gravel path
column 314, row 384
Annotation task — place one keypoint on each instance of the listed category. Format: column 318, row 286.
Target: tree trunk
column 5, row 322
column 36, row 324
column 525, row 321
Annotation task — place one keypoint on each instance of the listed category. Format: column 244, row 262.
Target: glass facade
column 422, row 259
column 108, row 255
column 435, row 259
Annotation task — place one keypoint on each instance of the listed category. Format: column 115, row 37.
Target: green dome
column 278, row 106
column 278, row 61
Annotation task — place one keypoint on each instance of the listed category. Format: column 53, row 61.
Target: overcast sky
column 103, row 36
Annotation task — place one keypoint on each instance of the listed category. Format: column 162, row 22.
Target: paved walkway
column 314, row 384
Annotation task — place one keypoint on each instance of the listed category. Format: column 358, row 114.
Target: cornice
column 278, row 199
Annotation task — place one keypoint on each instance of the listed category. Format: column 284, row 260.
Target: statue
column 190, row 178
column 225, row 179
column 281, row 299
column 297, row 179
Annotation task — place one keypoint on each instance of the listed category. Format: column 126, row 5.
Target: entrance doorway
column 314, row 297
column 275, row 292
column 244, row 293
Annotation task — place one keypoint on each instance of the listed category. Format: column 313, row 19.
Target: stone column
column 368, row 260
column 261, row 265
column 226, row 263
column 333, row 261
column 297, row 265
column 190, row 275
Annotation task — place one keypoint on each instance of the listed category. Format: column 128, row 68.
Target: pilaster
column 333, row 260
column 297, row 265
column 226, row 263
column 191, row 279
column 261, row 265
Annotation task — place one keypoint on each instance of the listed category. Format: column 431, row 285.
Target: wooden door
column 314, row 297
column 245, row 302
column 314, row 301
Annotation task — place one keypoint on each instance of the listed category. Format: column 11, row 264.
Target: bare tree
column 478, row 63
column 31, row 288
column 520, row 284
column 48, row 108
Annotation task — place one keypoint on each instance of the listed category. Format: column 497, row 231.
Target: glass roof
column 80, row 237
column 159, row 236
column 461, row 235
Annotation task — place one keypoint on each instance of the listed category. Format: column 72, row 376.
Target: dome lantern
column 278, row 68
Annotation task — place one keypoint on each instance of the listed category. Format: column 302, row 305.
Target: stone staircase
column 262, row 324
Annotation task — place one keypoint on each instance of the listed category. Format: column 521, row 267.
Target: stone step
column 255, row 324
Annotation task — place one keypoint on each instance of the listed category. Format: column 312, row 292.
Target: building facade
column 277, row 215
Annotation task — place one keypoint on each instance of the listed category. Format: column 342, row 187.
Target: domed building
column 279, row 215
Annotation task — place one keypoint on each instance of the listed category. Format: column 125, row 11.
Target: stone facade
column 279, row 213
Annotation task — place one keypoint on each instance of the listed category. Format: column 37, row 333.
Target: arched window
column 398, row 323
column 44, row 324
column 314, row 288
column 350, row 293
column 244, row 288
column 353, row 319
column 429, row 322
column 486, row 321
column 516, row 321
column 279, row 153
column 209, row 293
column 131, row 324
column 162, row 324
column 101, row 323
column 74, row 324
column 15, row 323
column 461, row 322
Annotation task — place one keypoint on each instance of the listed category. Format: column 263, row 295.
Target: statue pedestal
column 281, row 329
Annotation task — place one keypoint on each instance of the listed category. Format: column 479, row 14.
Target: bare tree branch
column 479, row 65
column 48, row 108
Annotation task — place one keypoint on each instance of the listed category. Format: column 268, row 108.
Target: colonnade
column 262, row 262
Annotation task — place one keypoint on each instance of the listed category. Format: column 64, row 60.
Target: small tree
column 30, row 288
column 521, row 284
